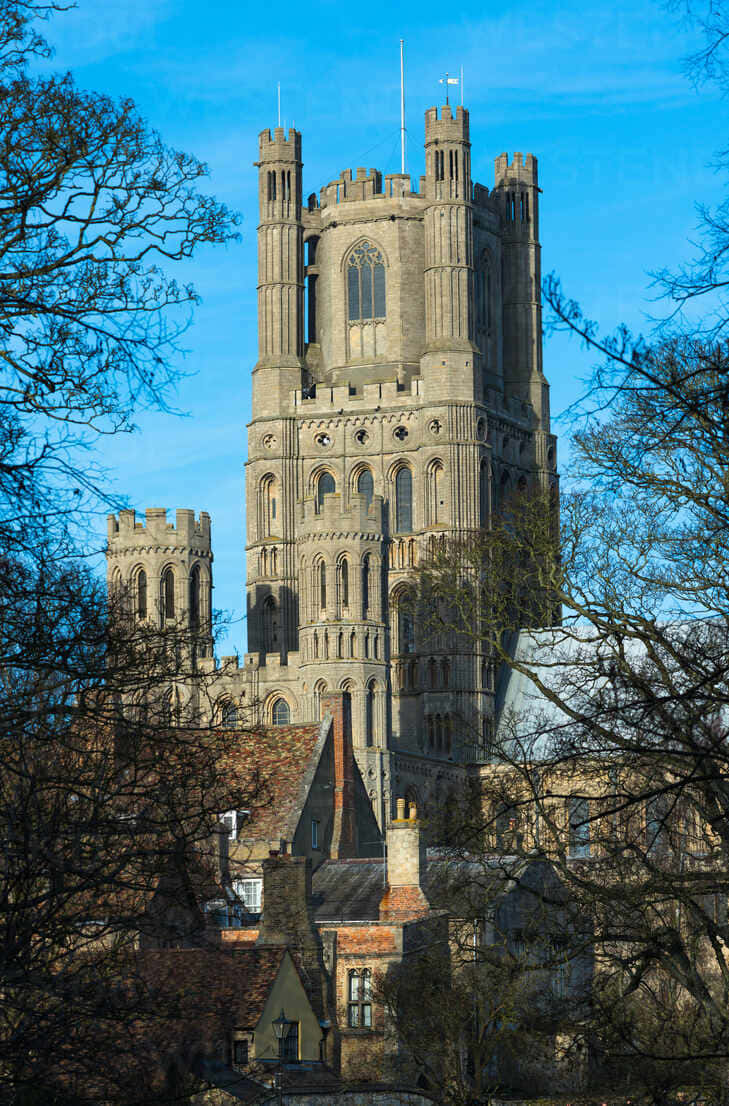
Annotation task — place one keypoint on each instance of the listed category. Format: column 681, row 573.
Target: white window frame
column 249, row 890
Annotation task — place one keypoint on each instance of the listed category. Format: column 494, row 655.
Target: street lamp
column 280, row 1027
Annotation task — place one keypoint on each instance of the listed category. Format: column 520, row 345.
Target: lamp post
column 280, row 1027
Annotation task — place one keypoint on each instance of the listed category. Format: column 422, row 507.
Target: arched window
column 269, row 522
column 365, row 485
column 325, row 486
column 448, row 733
column 344, row 584
column 365, row 283
column 195, row 596
column 445, row 669
column 366, row 561
column 484, row 494
column 432, row 673
column 270, row 625
column 436, row 494
column 281, row 713
column 141, row 594
column 322, row 586
column 431, row 731
column 404, row 500
column 228, row 713
column 168, row 593
column 370, row 713
column 320, row 688
column 405, row 629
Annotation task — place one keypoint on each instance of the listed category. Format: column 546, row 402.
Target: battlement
column 371, row 395
column 358, row 519
column 279, row 148
column 522, row 169
column 185, row 531
column 447, row 127
column 365, row 185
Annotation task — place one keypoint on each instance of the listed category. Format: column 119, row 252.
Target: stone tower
column 397, row 398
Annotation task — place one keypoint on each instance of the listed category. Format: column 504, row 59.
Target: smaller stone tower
column 448, row 360
column 516, row 186
column 163, row 572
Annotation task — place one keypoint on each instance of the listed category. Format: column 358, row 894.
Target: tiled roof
column 214, row 984
column 279, row 762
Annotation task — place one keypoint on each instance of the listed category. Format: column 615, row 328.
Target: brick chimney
column 405, row 864
column 287, row 916
column 344, row 828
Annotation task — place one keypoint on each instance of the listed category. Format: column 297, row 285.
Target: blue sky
column 595, row 90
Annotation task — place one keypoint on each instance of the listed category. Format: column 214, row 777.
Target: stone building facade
column 397, row 398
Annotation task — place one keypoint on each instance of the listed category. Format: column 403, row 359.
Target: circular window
column 400, row 432
column 435, row 426
column 361, row 436
column 323, row 440
column 269, row 441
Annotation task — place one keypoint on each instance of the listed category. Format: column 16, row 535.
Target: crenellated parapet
column 161, row 572
column 125, row 533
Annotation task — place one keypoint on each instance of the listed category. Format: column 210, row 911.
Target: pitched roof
column 207, row 984
column 280, row 761
column 351, row 890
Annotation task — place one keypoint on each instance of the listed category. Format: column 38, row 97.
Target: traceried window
column 365, row 283
column 228, row 713
column 359, row 999
column 281, row 713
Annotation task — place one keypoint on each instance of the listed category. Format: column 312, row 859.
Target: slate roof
column 350, row 890
column 280, row 761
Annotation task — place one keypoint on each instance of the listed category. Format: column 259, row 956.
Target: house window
column 290, row 1043
column 249, row 893
column 365, row 283
column 314, row 834
column 359, row 1004
column 281, row 713
column 578, row 810
column 240, row 1054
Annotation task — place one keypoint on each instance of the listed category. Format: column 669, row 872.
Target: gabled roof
column 211, row 984
column 351, row 890
column 283, row 759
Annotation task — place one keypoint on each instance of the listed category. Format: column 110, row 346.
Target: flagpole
column 402, row 109
column 461, row 86
column 279, row 103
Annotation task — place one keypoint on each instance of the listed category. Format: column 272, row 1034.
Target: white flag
column 448, row 80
